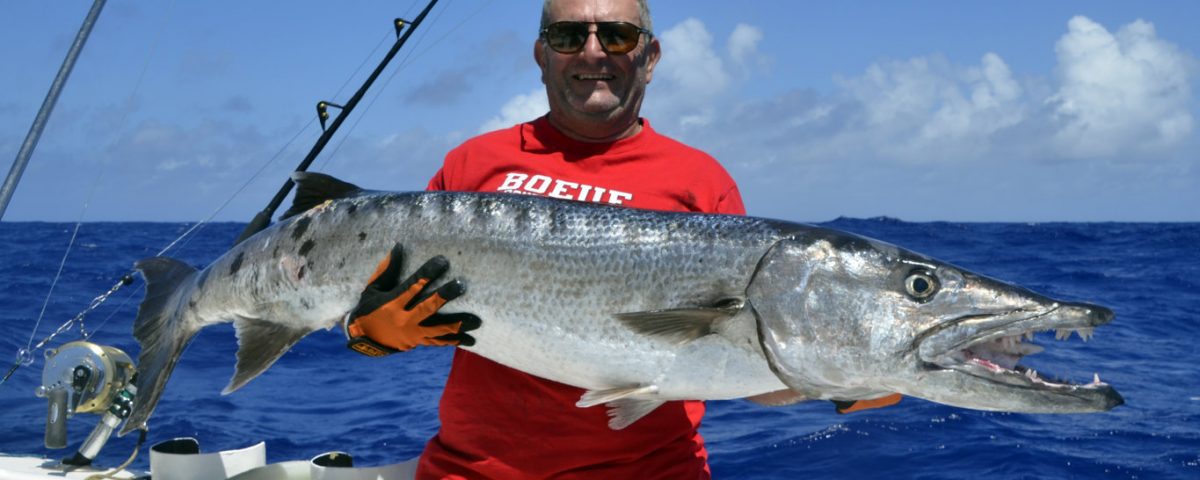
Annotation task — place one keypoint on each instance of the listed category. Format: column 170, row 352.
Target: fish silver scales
column 554, row 280
column 558, row 275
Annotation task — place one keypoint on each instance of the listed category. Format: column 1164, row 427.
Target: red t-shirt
column 502, row 423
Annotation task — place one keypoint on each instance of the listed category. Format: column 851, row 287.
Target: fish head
column 844, row 317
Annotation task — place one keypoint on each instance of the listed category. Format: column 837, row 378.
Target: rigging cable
column 403, row 64
column 262, row 219
column 271, row 161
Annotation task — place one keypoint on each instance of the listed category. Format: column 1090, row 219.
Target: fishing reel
column 83, row 377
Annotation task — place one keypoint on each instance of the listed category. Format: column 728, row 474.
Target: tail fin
column 160, row 331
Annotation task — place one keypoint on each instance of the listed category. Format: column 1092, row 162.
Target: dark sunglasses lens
column 618, row 37
column 566, row 37
column 615, row 37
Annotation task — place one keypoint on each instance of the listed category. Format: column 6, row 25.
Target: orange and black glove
column 393, row 316
column 848, row 406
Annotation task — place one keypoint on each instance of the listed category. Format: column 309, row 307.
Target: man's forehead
column 593, row 10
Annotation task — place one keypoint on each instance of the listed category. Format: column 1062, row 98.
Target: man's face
column 591, row 87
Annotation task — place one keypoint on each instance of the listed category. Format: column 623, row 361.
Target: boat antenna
column 39, row 122
column 263, row 218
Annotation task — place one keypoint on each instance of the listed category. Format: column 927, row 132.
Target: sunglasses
column 615, row 38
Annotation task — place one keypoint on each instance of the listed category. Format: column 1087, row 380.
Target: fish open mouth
column 998, row 359
column 992, row 347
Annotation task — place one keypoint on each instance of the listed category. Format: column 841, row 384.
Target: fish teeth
column 1028, row 336
column 1028, row 349
column 1085, row 333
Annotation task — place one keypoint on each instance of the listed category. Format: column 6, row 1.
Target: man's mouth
column 592, row 77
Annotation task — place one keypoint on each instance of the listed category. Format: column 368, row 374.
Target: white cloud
column 1123, row 92
column 689, row 62
column 925, row 109
column 743, row 48
column 1123, row 96
column 692, row 75
column 521, row 108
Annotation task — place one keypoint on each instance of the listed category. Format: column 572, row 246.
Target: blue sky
column 930, row 110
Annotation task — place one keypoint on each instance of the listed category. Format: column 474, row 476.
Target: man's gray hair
column 643, row 14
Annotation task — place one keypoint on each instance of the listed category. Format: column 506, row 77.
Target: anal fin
column 260, row 344
column 625, row 404
column 622, row 413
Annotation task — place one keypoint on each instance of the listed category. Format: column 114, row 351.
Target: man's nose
column 591, row 46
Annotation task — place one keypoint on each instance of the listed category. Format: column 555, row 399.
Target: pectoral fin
column 260, row 344
column 680, row 325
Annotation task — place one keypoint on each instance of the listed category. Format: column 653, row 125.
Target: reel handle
column 56, row 419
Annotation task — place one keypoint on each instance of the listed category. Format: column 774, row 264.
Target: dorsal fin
column 313, row 189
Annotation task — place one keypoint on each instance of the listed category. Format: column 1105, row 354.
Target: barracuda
column 636, row 307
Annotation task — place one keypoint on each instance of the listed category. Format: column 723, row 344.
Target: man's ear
column 653, row 53
column 539, row 54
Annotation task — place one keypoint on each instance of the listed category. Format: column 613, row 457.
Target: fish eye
column 920, row 285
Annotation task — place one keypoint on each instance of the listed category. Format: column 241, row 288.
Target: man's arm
column 731, row 202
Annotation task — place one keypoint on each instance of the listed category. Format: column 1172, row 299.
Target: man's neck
column 597, row 133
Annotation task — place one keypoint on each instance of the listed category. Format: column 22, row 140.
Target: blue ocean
column 322, row 397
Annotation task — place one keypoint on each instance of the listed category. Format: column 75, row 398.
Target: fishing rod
column 263, row 218
column 43, row 115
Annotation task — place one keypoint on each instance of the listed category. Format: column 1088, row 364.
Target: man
column 596, row 58
column 592, row 146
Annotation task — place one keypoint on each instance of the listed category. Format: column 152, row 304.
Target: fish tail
column 160, row 330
